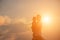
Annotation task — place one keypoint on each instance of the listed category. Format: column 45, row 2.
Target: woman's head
column 34, row 19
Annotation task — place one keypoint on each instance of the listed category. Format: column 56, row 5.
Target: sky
column 14, row 11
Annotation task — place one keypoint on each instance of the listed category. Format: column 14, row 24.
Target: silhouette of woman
column 36, row 28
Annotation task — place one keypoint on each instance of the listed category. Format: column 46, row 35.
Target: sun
column 45, row 19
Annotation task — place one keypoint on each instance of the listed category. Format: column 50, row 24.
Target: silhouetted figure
column 36, row 28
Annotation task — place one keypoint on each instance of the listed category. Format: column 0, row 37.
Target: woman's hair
column 38, row 18
column 34, row 19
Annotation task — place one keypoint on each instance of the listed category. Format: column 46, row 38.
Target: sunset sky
column 13, row 11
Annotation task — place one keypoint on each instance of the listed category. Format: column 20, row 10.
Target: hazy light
column 46, row 19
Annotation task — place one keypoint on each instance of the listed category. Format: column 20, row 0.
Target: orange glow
column 5, row 20
column 2, row 20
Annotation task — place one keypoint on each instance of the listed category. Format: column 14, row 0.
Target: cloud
column 18, row 20
column 7, row 20
column 15, row 32
column 4, row 20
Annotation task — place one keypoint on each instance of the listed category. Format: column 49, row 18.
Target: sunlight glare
column 45, row 19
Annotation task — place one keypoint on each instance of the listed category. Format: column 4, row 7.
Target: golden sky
column 13, row 11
